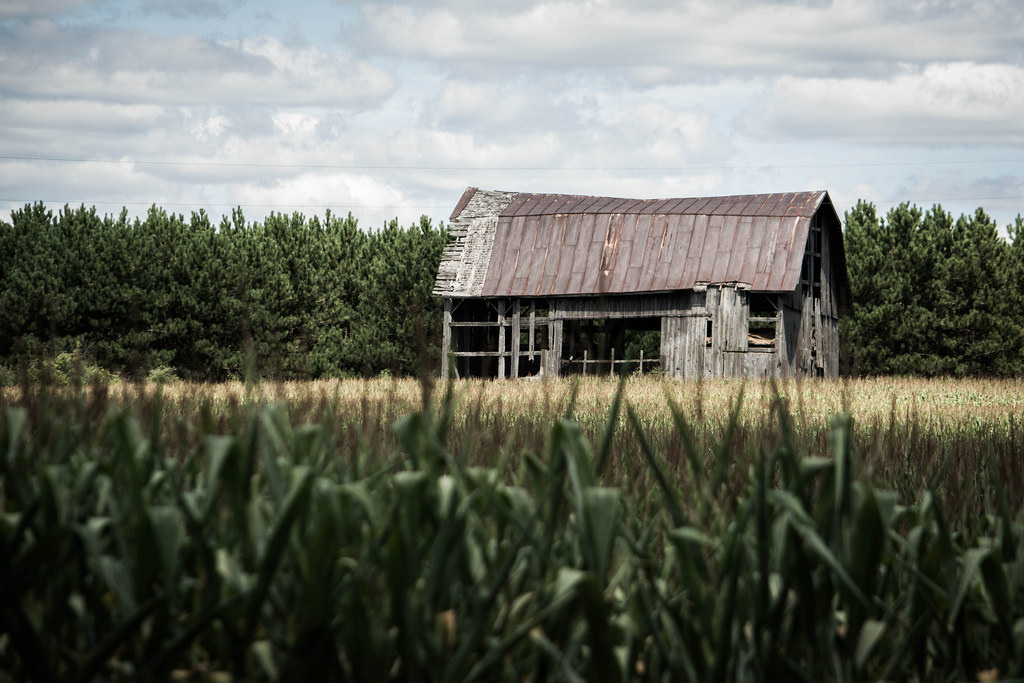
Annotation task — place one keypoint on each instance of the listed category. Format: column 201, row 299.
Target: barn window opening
column 612, row 346
column 707, row 336
column 762, row 322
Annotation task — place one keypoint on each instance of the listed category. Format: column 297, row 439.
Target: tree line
column 933, row 295
column 293, row 297
column 286, row 298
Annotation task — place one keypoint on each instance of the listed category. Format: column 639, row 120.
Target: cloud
column 190, row 8
column 694, row 40
column 31, row 9
column 940, row 104
column 499, row 108
column 44, row 60
column 960, row 194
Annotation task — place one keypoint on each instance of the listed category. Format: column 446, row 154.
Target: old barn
column 547, row 285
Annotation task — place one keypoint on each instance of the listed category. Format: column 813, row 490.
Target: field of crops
column 390, row 529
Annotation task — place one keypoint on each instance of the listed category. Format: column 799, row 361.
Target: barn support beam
column 516, row 333
column 446, row 339
column 554, row 355
column 501, row 339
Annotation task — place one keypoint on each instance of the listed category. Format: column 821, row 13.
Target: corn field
column 394, row 530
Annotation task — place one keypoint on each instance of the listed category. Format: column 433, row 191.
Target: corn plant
column 268, row 547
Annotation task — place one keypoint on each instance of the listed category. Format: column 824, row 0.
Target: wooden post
column 641, row 361
column 555, row 350
column 501, row 339
column 516, row 333
column 533, row 318
column 584, row 362
column 446, row 339
column 611, row 366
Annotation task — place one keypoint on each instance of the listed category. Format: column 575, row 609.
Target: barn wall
column 829, row 308
column 805, row 322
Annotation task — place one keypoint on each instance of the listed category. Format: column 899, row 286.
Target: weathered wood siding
column 682, row 344
column 829, row 350
column 635, row 306
column 727, row 309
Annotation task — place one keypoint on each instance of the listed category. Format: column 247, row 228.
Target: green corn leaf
column 604, row 446
column 667, row 490
column 294, row 505
column 802, row 524
column 115, row 639
column 14, row 423
column 871, row 634
column 601, row 515
column 168, row 528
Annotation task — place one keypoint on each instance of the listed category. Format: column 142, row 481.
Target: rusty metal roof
column 555, row 245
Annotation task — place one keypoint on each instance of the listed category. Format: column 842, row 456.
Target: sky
column 391, row 109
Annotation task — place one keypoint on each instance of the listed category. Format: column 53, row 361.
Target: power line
column 416, row 167
column 232, row 204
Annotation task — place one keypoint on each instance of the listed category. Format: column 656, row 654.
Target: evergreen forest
column 296, row 297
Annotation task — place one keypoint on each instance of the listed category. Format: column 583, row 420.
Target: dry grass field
column 911, row 434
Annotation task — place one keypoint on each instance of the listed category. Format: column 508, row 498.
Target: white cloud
column 43, row 59
column 27, row 9
column 693, row 40
column 941, row 104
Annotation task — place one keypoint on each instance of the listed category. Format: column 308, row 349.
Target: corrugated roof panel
column 745, row 204
column 663, row 275
column 698, row 205
column 782, row 252
column 716, row 205
column 786, row 202
column 661, row 243
column 592, row 268
column 563, row 270
column 524, row 258
column 546, row 250
column 543, row 204
column 676, row 261
column 641, row 239
column 726, row 242
column 766, row 258
column 505, row 269
column 748, row 273
column 767, row 207
column 801, row 228
column 655, row 206
column 631, row 253
column 517, row 202
column 706, row 266
column 738, row 250
column 694, row 250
